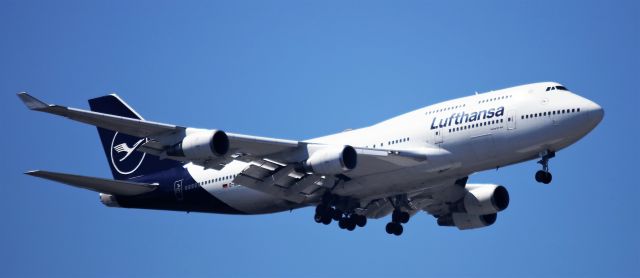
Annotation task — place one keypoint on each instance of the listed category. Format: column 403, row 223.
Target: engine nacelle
column 332, row 160
column 109, row 200
column 201, row 145
column 465, row 221
column 484, row 199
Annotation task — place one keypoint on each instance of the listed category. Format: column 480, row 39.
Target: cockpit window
column 561, row 88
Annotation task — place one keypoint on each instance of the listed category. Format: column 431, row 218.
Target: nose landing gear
column 544, row 176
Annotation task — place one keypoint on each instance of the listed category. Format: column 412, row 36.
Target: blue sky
column 300, row 69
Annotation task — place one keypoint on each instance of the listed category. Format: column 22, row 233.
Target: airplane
column 415, row 162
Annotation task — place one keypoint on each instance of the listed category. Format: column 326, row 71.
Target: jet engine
column 478, row 208
column 465, row 221
column 483, row 199
column 332, row 160
column 109, row 200
column 201, row 145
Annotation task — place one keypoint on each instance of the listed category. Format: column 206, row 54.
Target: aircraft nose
column 596, row 113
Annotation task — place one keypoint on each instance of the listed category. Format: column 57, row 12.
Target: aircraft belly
column 393, row 183
column 251, row 201
column 236, row 196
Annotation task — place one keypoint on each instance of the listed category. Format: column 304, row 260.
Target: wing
column 138, row 128
column 275, row 164
column 125, row 188
column 163, row 136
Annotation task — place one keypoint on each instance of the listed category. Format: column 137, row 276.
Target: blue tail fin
column 120, row 149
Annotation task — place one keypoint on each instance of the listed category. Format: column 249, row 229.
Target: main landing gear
column 544, row 176
column 343, row 210
column 347, row 221
column 398, row 218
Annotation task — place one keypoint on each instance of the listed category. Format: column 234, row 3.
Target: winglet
column 32, row 102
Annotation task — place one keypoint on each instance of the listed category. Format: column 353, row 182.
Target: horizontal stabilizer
column 31, row 102
column 115, row 187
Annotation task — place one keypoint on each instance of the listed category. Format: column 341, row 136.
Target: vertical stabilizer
column 121, row 149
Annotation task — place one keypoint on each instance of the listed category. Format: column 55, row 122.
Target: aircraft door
column 437, row 137
column 177, row 189
column 511, row 120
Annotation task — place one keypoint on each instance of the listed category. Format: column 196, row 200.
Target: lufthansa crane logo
column 124, row 157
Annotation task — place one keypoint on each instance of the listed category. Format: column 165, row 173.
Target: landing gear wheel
column 394, row 228
column 390, row 228
column 336, row 214
column 326, row 220
column 540, row 176
column 398, row 229
column 342, row 223
column 547, row 178
column 543, row 177
column 351, row 225
column 360, row 220
column 322, row 214
column 404, row 217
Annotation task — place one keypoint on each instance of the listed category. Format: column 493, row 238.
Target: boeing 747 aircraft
column 418, row 161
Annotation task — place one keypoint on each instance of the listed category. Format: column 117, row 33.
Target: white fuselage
column 481, row 132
